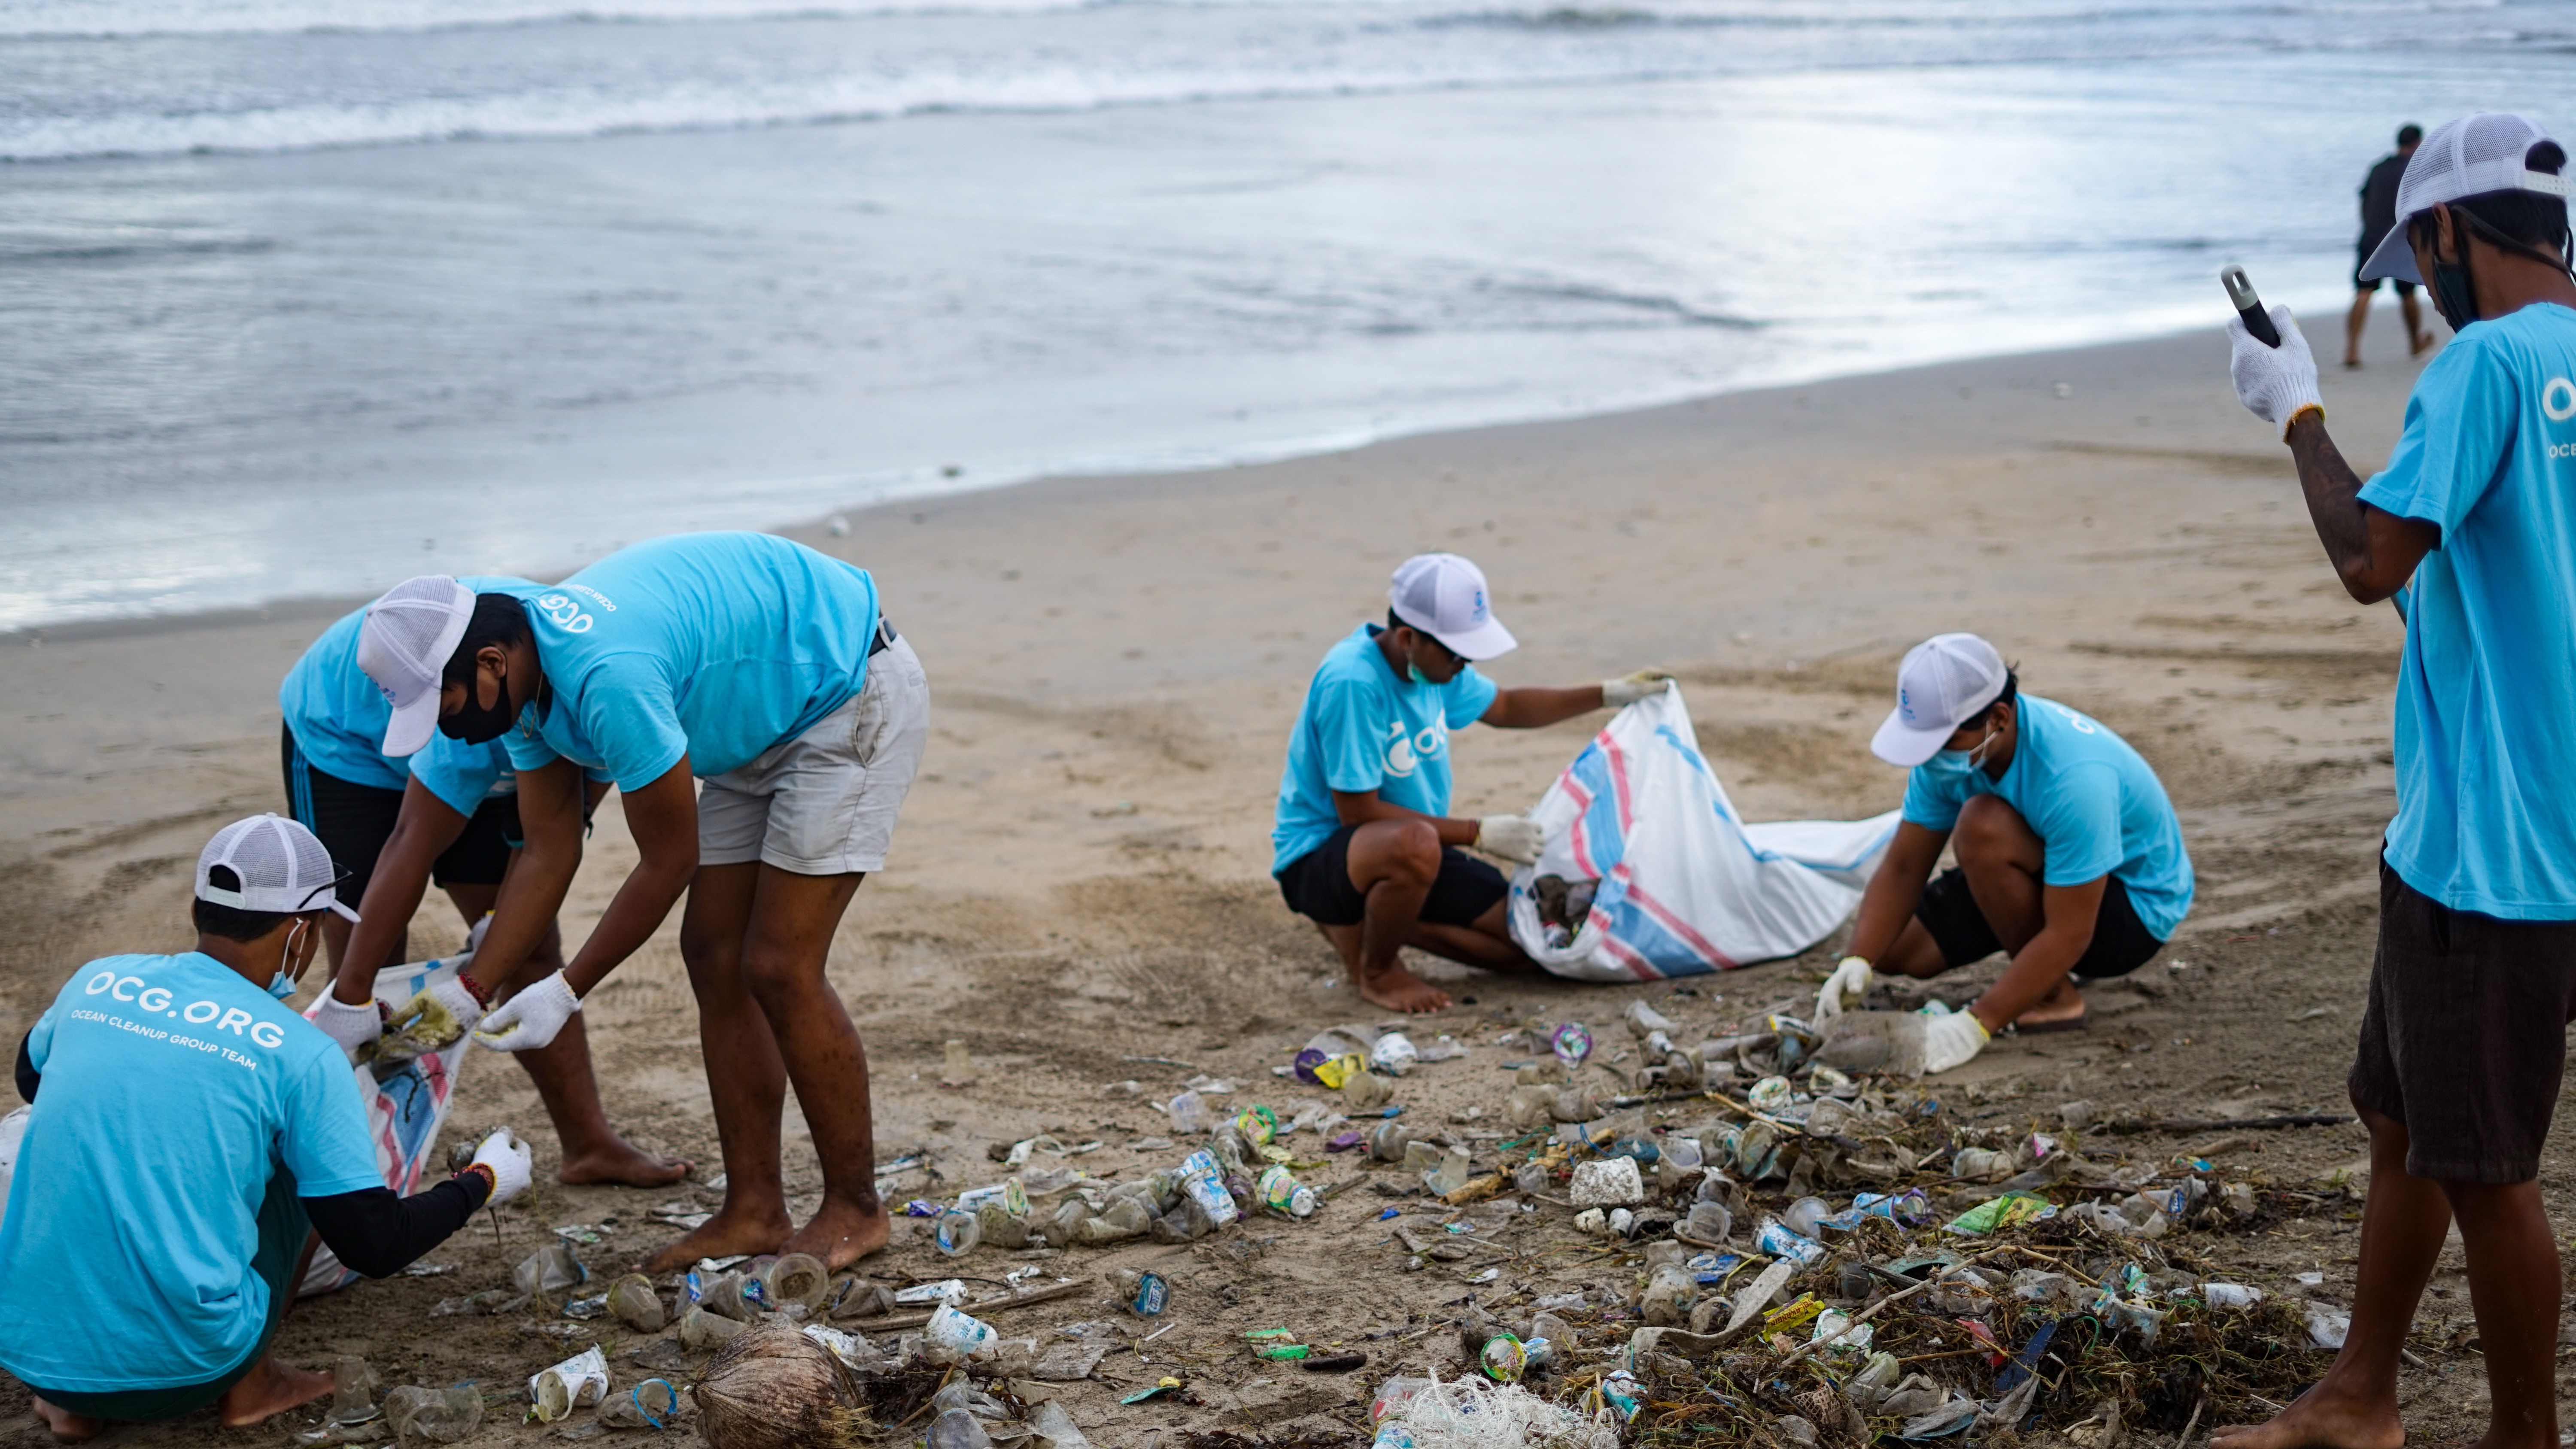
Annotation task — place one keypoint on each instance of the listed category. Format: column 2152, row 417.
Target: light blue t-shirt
column 1363, row 727
column 2486, row 687
column 338, row 718
column 173, row 1091
column 712, row 645
column 2096, row 807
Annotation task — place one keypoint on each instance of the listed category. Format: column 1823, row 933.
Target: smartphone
column 2240, row 291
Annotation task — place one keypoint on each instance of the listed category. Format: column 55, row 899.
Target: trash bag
column 1686, row 887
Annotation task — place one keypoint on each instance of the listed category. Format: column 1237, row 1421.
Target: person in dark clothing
column 188, row 1140
column 2378, row 218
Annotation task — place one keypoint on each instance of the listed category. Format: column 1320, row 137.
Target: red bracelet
column 482, row 995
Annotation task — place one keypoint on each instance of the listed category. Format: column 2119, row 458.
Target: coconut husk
column 771, row 1387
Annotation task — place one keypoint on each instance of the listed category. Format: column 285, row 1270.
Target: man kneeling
column 190, row 1135
column 2070, row 857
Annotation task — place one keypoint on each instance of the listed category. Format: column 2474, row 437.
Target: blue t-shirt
column 2096, row 807
column 173, row 1091
column 712, row 645
column 2486, row 695
column 338, row 717
column 1363, row 727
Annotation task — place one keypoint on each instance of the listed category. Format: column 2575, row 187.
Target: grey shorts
column 2465, row 1035
column 824, row 803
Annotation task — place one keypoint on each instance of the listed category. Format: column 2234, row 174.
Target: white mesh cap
column 404, row 645
column 280, row 865
column 1444, row 596
column 2471, row 156
column 1941, row 685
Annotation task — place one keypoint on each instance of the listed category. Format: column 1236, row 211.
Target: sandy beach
column 1080, row 878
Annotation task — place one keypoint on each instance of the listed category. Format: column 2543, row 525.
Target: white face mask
column 282, row 985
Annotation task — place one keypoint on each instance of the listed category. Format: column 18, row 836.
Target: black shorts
column 1317, row 885
column 2465, row 1034
column 354, row 821
column 2404, row 289
column 2121, row 942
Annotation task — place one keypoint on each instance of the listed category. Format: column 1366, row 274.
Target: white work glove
column 530, row 1019
column 1627, row 689
column 436, row 1017
column 1511, row 837
column 2274, row 383
column 507, row 1156
column 1954, row 1040
column 1844, row 989
column 351, row 1026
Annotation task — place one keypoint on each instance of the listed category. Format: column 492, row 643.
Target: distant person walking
column 2378, row 219
column 2464, row 1041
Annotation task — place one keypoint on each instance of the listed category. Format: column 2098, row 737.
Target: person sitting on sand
column 2070, row 858
column 188, row 1138
column 1364, row 847
column 398, row 818
column 764, row 669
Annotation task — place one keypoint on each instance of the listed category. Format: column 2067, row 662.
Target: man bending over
column 2070, row 858
column 1364, row 844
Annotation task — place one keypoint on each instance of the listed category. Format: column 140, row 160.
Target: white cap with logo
column 278, row 864
column 403, row 646
column 1444, row 596
column 1943, row 683
column 2471, row 156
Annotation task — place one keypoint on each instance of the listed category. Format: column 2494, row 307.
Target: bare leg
column 2419, row 338
column 745, row 1077
column 1915, row 954
column 1485, row 943
column 2403, row 1223
column 2353, row 322
column 561, row 1072
column 783, row 959
column 2003, row 858
column 1392, row 863
column 2514, row 1285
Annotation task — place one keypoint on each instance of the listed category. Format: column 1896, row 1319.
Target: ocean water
column 299, row 297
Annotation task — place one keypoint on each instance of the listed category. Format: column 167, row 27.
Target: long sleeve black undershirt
column 372, row 1231
column 379, row 1234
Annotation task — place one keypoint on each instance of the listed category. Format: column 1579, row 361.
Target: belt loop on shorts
column 885, row 636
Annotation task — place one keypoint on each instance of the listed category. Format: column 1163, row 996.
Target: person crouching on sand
column 2070, row 857
column 189, row 1137
column 1364, row 847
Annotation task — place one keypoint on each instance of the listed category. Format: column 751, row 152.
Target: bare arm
column 1361, row 807
column 1529, row 709
column 663, row 819
column 533, row 890
column 423, row 831
column 1895, row 889
column 2067, row 915
column 2373, row 551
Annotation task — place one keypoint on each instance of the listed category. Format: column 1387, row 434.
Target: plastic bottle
column 958, row 1233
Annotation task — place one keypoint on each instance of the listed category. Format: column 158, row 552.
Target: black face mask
column 478, row 723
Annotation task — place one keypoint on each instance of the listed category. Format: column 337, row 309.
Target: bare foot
column 1397, row 989
column 69, row 1427
column 2353, row 363
column 842, row 1233
column 269, row 1388
column 729, row 1232
column 2316, row 1420
column 620, row 1161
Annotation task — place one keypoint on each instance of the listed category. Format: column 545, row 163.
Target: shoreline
column 894, row 499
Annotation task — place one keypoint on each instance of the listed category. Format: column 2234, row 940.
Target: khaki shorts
column 824, row 803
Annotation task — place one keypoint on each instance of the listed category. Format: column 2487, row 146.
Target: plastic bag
column 1686, row 887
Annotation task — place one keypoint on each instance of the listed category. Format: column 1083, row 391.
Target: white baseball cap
column 404, row 645
column 2471, row 156
column 1444, row 596
column 1943, row 683
column 280, row 865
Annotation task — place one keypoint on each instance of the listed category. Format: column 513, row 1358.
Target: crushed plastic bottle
column 420, row 1417
column 652, row 1404
column 636, row 1304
